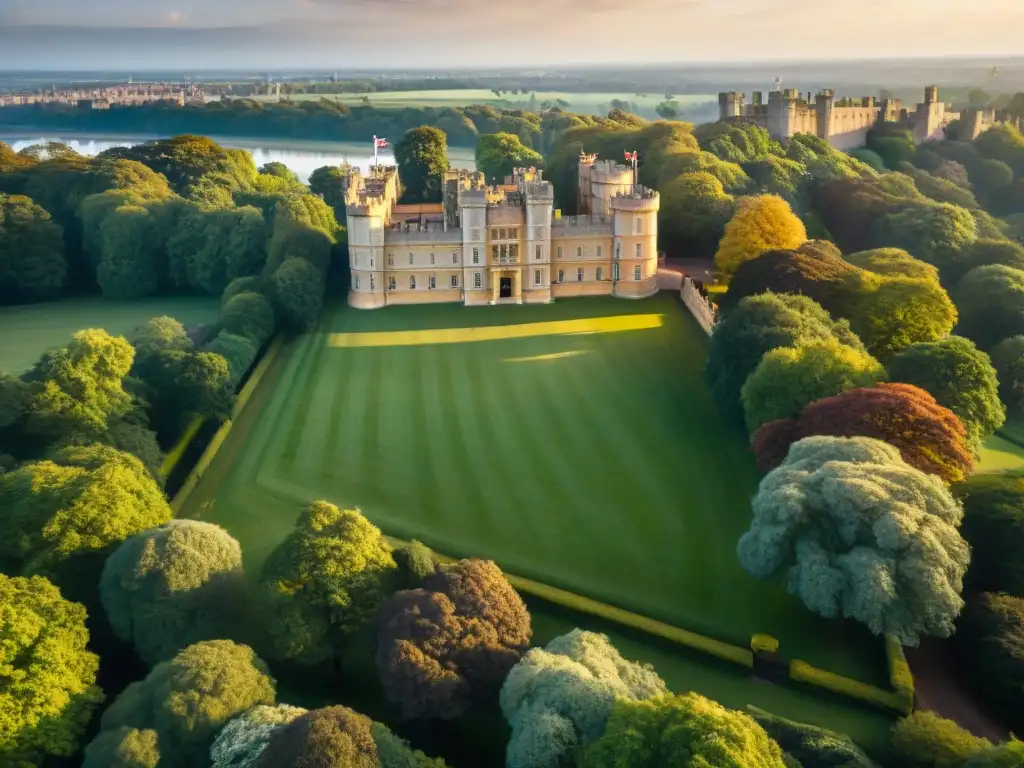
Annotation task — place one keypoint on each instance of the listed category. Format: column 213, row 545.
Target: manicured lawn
column 999, row 455
column 589, row 457
column 28, row 331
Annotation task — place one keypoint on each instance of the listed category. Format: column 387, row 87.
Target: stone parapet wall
column 699, row 307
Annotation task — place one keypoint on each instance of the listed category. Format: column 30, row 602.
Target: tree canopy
column 789, row 378
column 451, row 642
column 173, row 585
column 558, row 698
column 929, row 437
column 498, row 153
column 683, row 731
column 422, row 156
column 814, row 747
column 994, row 527
column 187, row 699
column 323, row 737
column 926, row 740
column 123, row 748
column 324, row 582
column 241, row 742
column 1008, row 361
column 694, row 211
column 881, row 546
column 70, row 508
column 49, row 689
column 759, row 324
column 959, row 376
column 991, row 304
column 760, row 224
column 33, row 264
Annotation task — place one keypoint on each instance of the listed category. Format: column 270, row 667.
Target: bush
column 900, row 677
column 813, row 747
column 415, row 562
column 764, row 643
column 925, row 740
column 249, row 314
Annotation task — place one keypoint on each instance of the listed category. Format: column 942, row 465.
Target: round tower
column 635, row 235
column 366, row 256
column 607, row 179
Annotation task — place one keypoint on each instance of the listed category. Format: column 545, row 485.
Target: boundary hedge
column 178, row 450
column 203, row 464
column 802, row 672
column 900, row 677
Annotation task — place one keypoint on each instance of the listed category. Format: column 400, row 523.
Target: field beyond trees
column 590, row 458
column 30, row 330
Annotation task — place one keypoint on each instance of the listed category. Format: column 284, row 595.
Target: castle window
column 561, row 275
column 639, row 225
column 501, row 233
column 579, row 251
column 504, row 252
column 636, row 272
column 618, row 252
column 536, row 252
column 432, row 282
column 615, row 271
column 599, row 251
column 513, row 252
column 559, row 251
column 513, row 234
column 639, row 250
column 431, row 258
column 392, row 285
column 597, row 274
column 476, row 255
column 410, row 259
column 455, row 258
column 371, row 262
column 391, row 259
column 536, row 277
column 476, row 279
column 579, row 275
column 455, row 281
column 357, row 282
column 494, row 253
column 412, row 283
column 372, row 281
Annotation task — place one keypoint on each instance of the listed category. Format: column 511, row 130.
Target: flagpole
column 375, row 151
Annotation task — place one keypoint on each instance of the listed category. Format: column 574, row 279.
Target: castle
column 504, row 244
column 845, row 123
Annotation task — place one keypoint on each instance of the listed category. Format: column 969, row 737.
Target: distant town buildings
column 845, row 123
column 127, row 95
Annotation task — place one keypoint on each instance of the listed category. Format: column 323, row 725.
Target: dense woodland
column 872, row 336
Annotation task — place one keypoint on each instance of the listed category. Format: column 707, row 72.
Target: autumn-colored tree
column 333, row 736
column 928, row 436
column 49, row 677
column 788, row 378
column 450, row 643
column 760, row 224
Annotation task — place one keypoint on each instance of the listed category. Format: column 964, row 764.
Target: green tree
column 241, row 742
column 760, row 224
column 415, row 562
column 49, row 688
column 1008, row 360
column 959, row 376
column 994, row 527
column 67, row 510
column 893, row 261
column 982, row 253
column 422, row 156
column 894, row 312
column 926, row 740
column 174, row 585
column 33, row 264
column 813, row 747
column 238, row 351
column 991, row 304
column 280, row 170
column 789, row 378
column 127, row 269
column 158, row 334
column 249, row 314
column 331, row 183
column 1007, row 755
column 683, row 731
column 933, row 232
column 324, row 582
column 694, row 211
column 297, row 288
column 855, row 531
column 323, row 737
column 759, row 324
column 188, row 699
column 123, row 748
column 557, row 699
column 498, row 153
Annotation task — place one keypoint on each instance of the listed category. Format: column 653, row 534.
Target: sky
column 350, row 34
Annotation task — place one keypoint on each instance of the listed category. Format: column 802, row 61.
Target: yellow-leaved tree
column 762, row 223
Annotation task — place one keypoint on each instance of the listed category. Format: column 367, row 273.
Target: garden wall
column 702, row 309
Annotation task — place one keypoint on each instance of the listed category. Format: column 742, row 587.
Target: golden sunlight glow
column 495, row 332
column 552, row 356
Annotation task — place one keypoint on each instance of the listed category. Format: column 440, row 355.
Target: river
column 303, row 157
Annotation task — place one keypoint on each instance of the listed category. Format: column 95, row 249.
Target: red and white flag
column 630, row 155
column 381, row 143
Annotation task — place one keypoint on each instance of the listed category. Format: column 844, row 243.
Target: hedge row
column 802, row 672
column 900, row 677
column 225, row 429
column 178, row 450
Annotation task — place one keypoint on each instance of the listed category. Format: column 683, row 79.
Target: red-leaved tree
column 928, row 436
column 450, row 643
